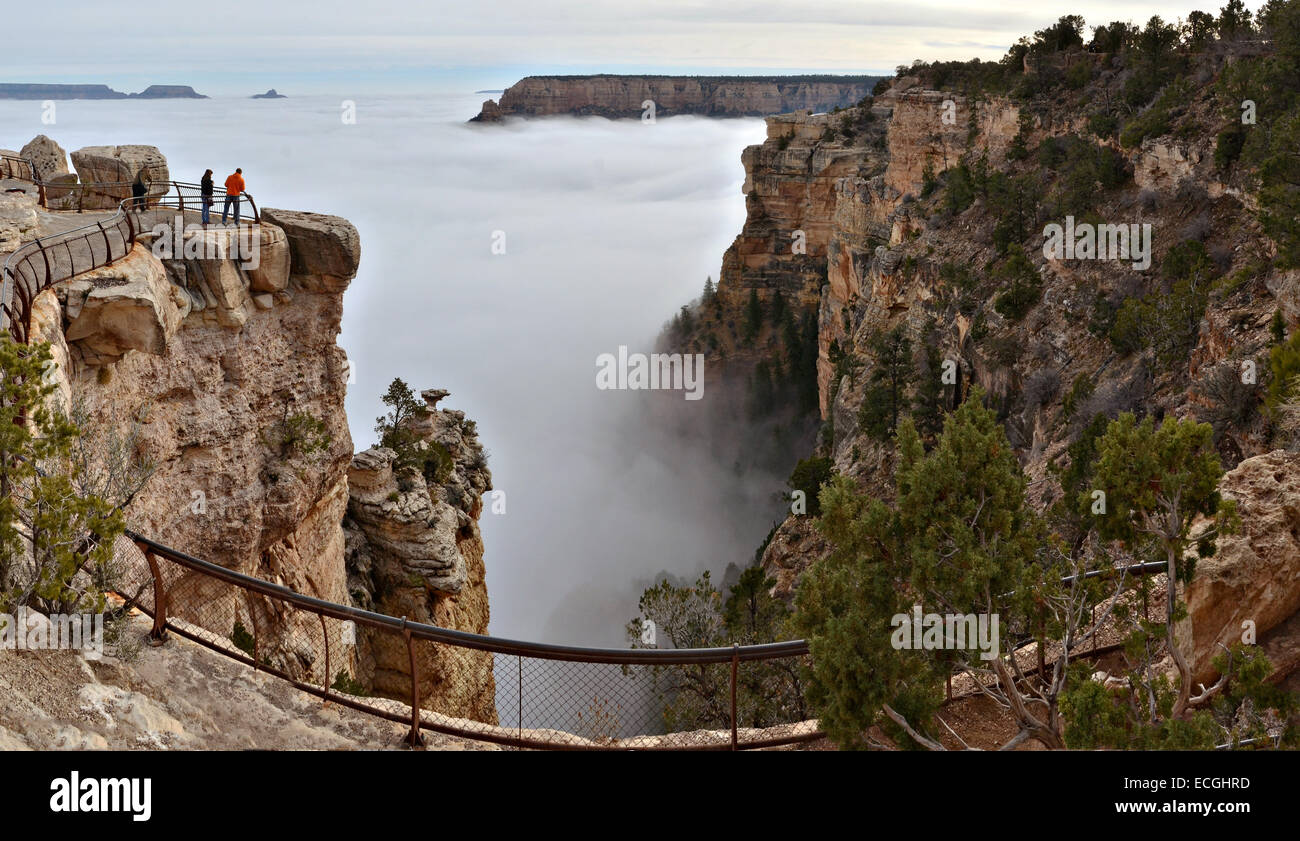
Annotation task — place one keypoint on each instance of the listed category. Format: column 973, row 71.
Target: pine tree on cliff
column 931, row 400
column 1156, row 482
column 961, row 535
column 393, row 429
column 885, row 398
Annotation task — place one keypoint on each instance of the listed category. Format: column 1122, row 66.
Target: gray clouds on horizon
column 324, row 45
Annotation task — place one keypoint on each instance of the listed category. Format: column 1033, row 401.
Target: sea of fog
column 608, row 228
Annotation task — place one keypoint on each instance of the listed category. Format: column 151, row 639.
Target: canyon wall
column 716, row 96
column 220, row 379
column 886, row 247
column 206, row 372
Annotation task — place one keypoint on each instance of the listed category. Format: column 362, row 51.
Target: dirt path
column 177, row 696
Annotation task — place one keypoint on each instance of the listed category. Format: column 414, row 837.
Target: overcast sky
column 327, row 46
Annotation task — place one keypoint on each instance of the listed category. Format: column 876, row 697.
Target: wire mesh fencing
column 513, row 693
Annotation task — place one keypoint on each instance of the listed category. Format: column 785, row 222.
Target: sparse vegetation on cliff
column 1172, row 139
column 56, row 538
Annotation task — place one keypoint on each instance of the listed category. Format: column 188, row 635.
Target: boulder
column 223, row 289
column 124, row 306
column 47, row 156
column 119, row 165
column 61, row 191
column 1255, row 574
column 325, row 250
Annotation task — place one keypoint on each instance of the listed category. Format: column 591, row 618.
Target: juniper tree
column 886, row 396
column 961, row 538
column 56, row 542
column 394, row 429
column 1157, row 481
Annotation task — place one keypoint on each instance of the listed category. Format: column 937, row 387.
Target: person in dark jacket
column 139, row 190
column 205, row 190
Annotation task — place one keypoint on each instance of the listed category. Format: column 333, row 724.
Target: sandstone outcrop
column 128, row 305
column 47, row 157
column 119, row 164
column 1255, row 574
column 722, row 96
column 325, row 250
column 414, row 549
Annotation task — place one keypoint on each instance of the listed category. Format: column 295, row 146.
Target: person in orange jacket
column 234, row 189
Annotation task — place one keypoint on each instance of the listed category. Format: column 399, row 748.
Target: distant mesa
column 498, row 90
column 39, row 91
column 615, row 96
column 168, row 92
column 271, row 94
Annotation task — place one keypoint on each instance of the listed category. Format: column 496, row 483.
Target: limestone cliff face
column 182, row 349
column 622, row 96
column 206, row 367
column 872, row 216
column 868, row 187
column 414, row 549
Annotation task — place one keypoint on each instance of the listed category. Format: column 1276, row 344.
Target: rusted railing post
column 325, row 635
column 158, row 634
column 735, row 667
column 252, row 616
column 48, row 271
column 108, row 247
column 414, row 739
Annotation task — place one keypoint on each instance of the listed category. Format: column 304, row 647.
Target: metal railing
column 40, row 264
column 508, row 692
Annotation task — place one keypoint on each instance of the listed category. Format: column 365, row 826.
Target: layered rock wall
column 414, row 550
column 623, row 96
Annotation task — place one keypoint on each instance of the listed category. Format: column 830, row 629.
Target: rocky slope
column 912, row 206
column 717, row 96
column 180, row 696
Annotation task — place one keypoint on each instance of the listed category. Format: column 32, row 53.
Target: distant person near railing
column 234, row 188
column 205, row 190
column 140, row 189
